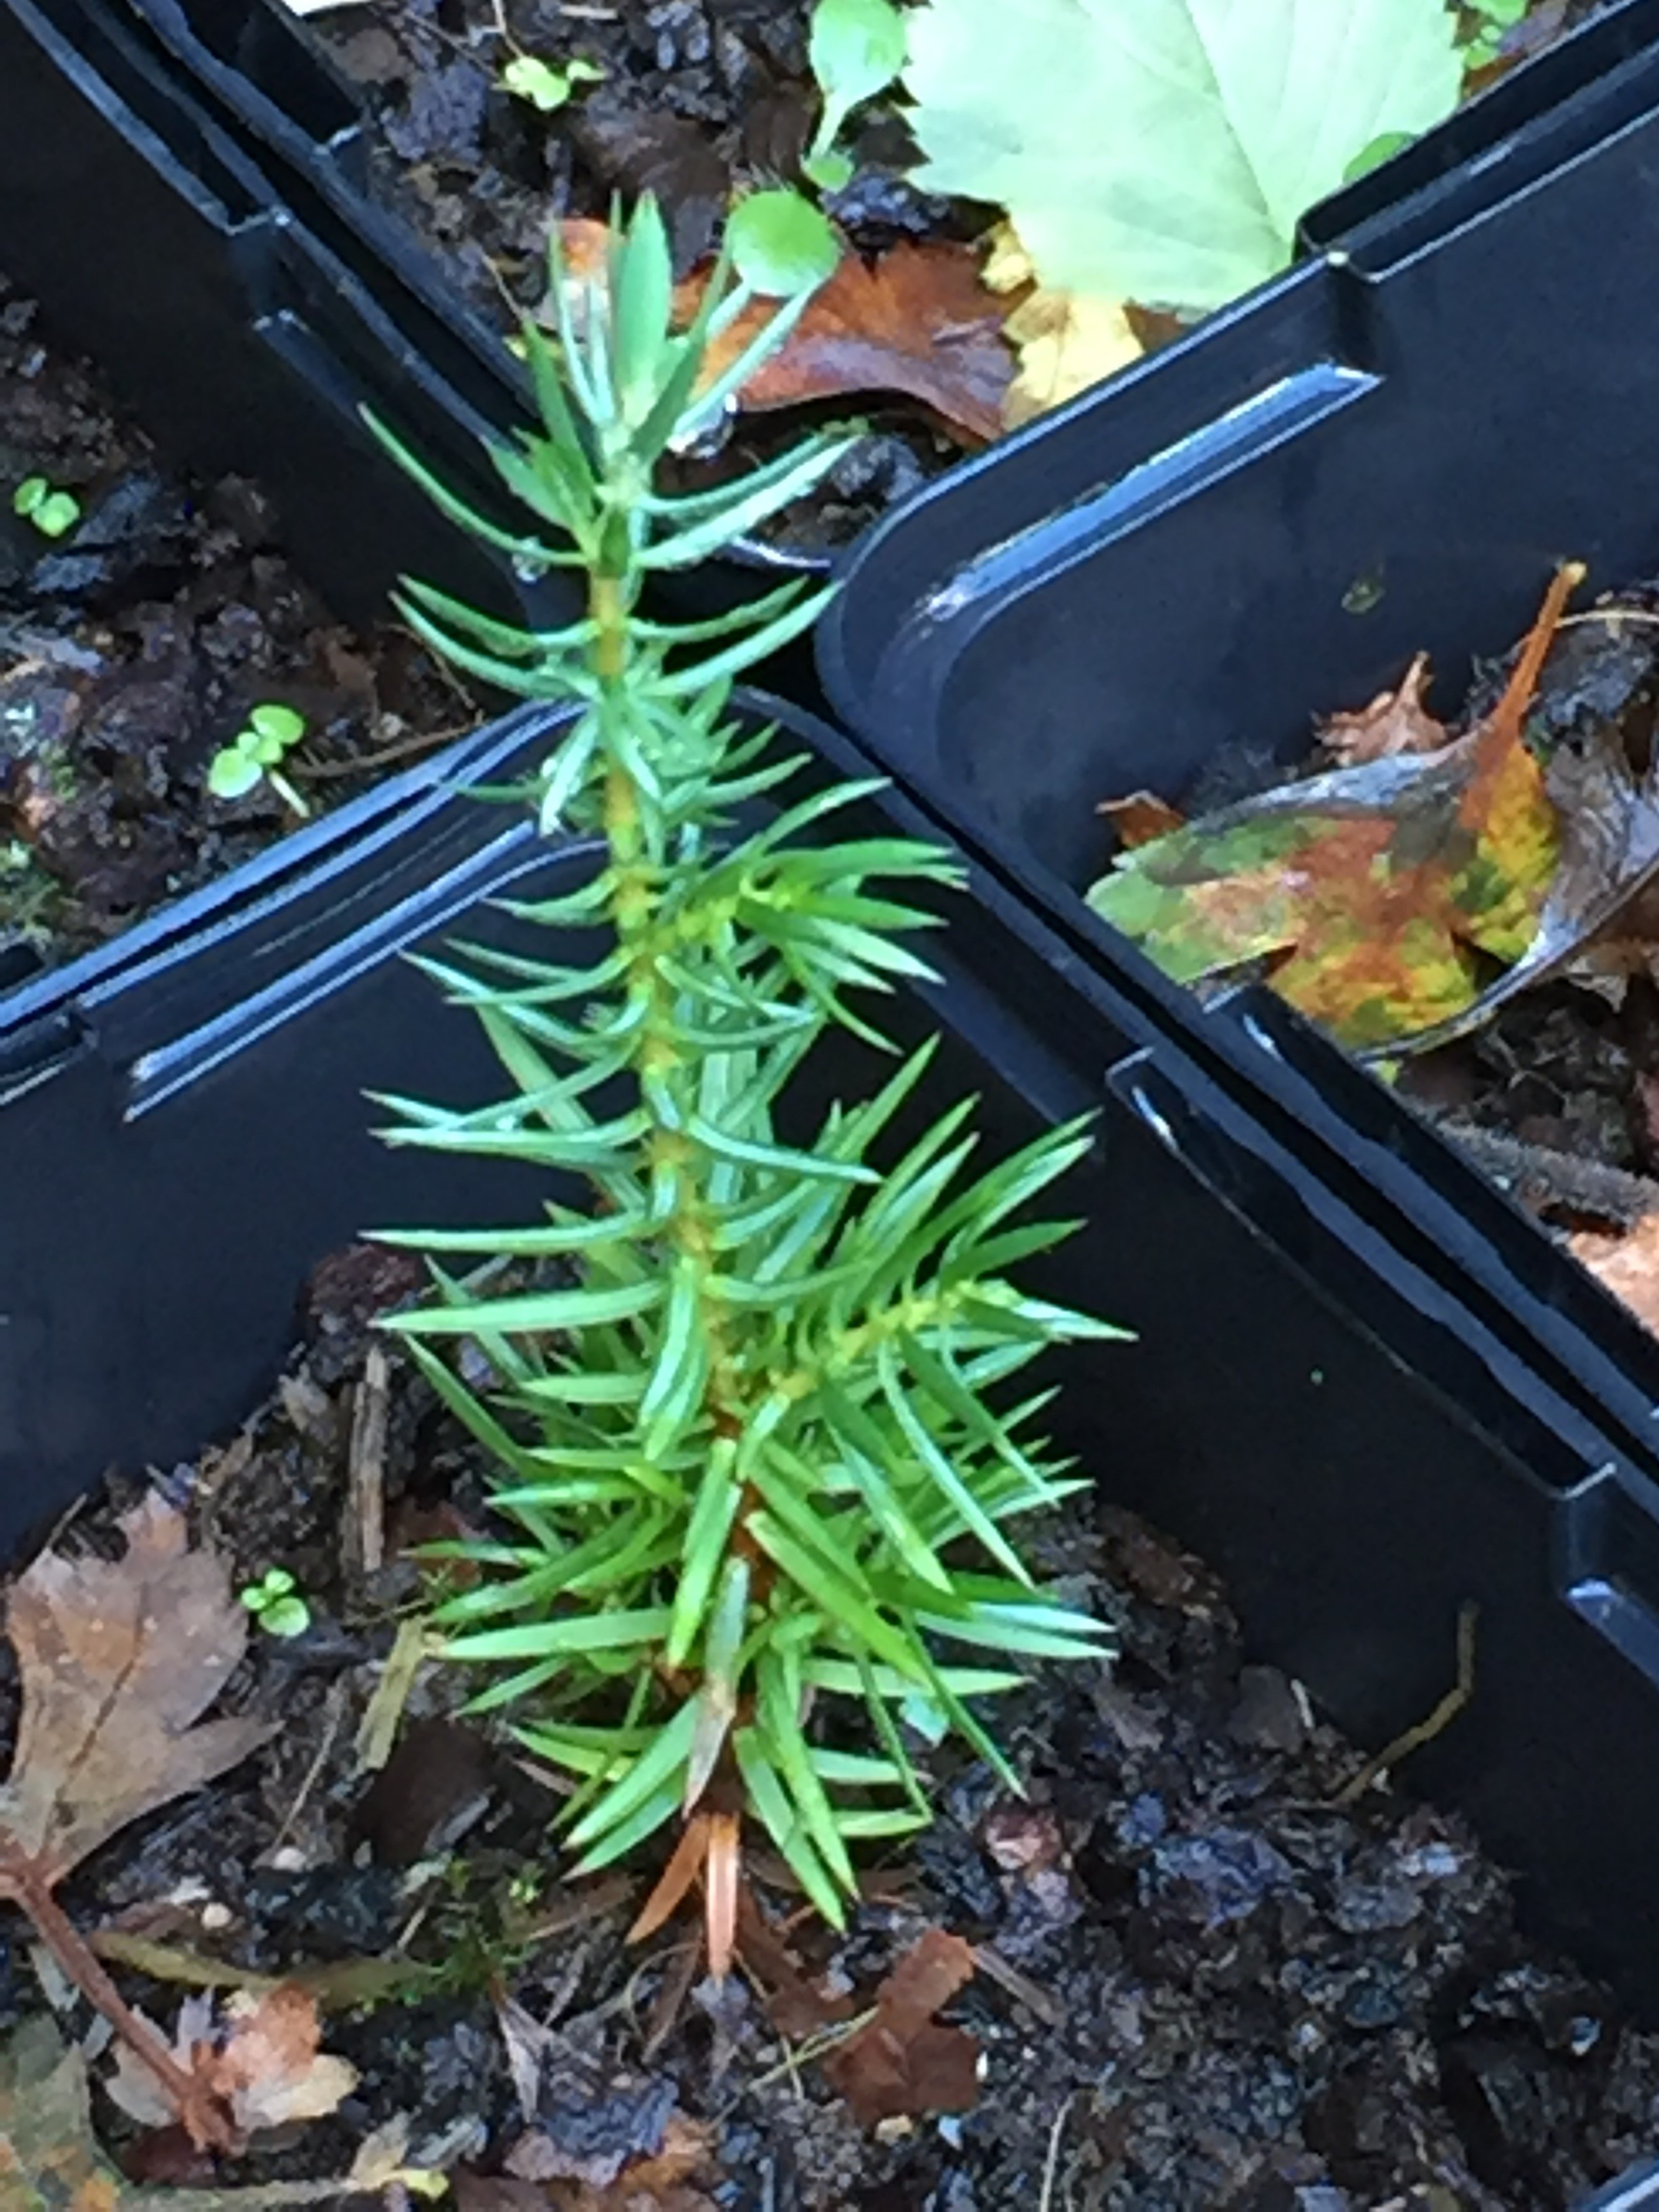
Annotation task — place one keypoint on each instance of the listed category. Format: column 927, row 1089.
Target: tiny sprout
column 547, row 85
column 53, row 513
column 856, row 48
column 276, row 1603
column 255, row 754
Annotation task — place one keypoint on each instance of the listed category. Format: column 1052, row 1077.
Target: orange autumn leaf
column 1373, row 892
column 906, row 2063
column 919, row 321
column 1140, row 817
column 263, row 2058
column 1396, row 722
column 1626, row 1265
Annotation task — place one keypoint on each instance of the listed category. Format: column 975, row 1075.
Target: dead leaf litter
column 1224, row 1983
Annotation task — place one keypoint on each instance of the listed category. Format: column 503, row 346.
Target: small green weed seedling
column 548, row 86
column 276, row 1603
column 856, row 48
column 53, row 512
column 255, row 755
column 759, row 1444
column 1485, row 22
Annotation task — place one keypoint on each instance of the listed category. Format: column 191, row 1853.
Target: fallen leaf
column 1628, row 1265
column 1067, row 342
column 271, row 2069
column 1371, row 893
column 51, row 2159
column 793, row 2005
column 1395, row 722
column 905, row 2062
column 263, row 2058
column 920, row 321
column 1140, row 817
column 119, row 1661
column 664, row 2183
column 1163, row 150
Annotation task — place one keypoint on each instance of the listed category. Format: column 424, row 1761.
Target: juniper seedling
column 751, row 1430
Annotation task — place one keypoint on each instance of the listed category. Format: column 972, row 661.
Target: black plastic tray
column 1317, row 1416
column 154, row 245
column 277, row 89
column 1440, row 419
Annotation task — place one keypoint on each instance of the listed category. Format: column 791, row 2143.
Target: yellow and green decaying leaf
column 1379, row 897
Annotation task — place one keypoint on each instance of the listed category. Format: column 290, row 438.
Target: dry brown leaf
column 1140, row 817
column 793, row 2005
column 1395, row 722
column 1066, row 343
column 905, row 2062
column 263, row 2059
column 1628, row 1265
column 271, row 2069
column 665, row 2181
column 118, row 1659
column 920, row 321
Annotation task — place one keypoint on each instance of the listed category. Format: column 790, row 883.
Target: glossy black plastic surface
column 1439, row 420
column 242, row 344
column 1321, row 1419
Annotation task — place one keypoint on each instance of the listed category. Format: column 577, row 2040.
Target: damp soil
column 1206, row 1981
column 698, row 98
column 133, row 647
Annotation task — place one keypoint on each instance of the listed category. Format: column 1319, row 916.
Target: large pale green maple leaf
column 1163, row 150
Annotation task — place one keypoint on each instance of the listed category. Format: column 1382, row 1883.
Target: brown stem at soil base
column 202, row 2114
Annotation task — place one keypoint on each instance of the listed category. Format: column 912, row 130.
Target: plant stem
column 205, row 2118
column 671, row 1157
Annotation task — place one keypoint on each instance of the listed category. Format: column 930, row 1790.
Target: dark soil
column 1565, row 1077
column 698, row 97
column 1205, row 1982
column 132, row 650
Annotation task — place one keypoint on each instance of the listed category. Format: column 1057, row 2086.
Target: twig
column 1424, row 1731
column 1540, row 1175
column 1051, row 2162
column 1612, row 615
column 576, row 1913
column 992, row 1964
column 334, row 1714
column 377, row 1732
column 205, row 2120
column 423, row 741
column 799, row 2054
column 365, row 1526
column 683, row 1963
